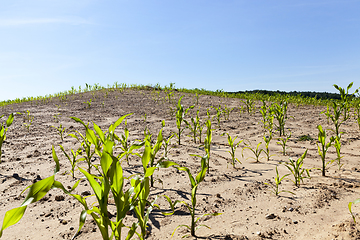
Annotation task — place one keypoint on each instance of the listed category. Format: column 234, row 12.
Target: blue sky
column 47, row 46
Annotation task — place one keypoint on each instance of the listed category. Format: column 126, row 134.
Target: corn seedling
column 278, row 179
column 227, row 112
column 87, row 150
column 180, row 114
column 73, row 159
column 256, row 151
column 207, row 142
column 324, row 147
column 218, row 114
column 166, row 144
column 3, row 130
column 60, row 131
column 57, row 117
column 346, row 99
column 197, row 96
column 280, row 113
column 126, row 147
column 193, row 125
column 154, row 149
column 249, row 104
column 27, row 119
column 145, row 117
column 142, row 215
column 350, row 204
column 194, row 185
column 233, row 147
column 283, row 141
column 295, row 167
column 264, row 113
column 89, row 103
column 267, row 140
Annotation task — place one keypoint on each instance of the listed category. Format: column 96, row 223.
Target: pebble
column 59, row 198
column 270, row 216
column 291, row 209
column 295, row 222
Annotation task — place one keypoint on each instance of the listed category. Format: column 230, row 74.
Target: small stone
column 86, row 193
column 59, row 198
column 258, row 233
column 270, row 216
column 64, row 222
column 295, row 222
column 218, row 195
column 291, row 209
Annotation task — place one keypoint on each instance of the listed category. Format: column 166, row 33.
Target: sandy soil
column 318, row 210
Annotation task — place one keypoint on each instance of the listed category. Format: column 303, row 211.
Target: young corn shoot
column 207, row 142
column 267, row 140
column 180, row 114
column 349, row 206
column 87, row 150
column 193, row 126
column 4, row 129
column 324, row 147
column 233, row 147
column 295, row 167
column 278, row 179
column 60, row 131
column 194, row 186
column 256, row 151
column 73, row 159
column 283, row 141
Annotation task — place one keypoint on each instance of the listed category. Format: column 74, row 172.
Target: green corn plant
column 126, row 147
column 280, row 113
column 278, row 179
column 194, row 186
column 4, row 129
column 346, row 99
column 324, row 147
column 207, row 142
column 180, row 114
column 267, row 140
column 193, row 126
column 27, row 119
column 249, row 104
column 145, row 117
column 73, row 159
column 226, row 112
column 349, row 206
column 87, row 150
column 166, row 144
column 296, row 169
column 218, row 114
column 57, row 117
column 256, row 151
column 89, row 103
column 154, row 149
column 111, row 179
column 197, row 96
column 200, row 130
column 142, row 213
column 327, row 113
column 264, row 113
column 60, row 131
column 283, row 141
column 233, row 147
column 335, row 116
column 337, row 145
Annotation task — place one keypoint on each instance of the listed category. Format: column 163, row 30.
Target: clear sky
column 47, row 46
